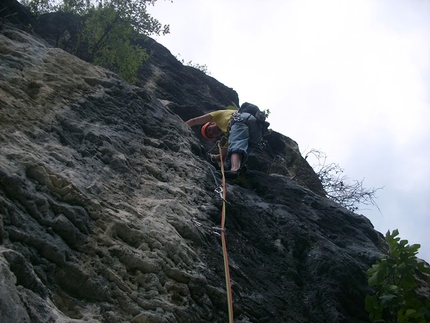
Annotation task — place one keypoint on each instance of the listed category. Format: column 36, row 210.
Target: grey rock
column 109, row 214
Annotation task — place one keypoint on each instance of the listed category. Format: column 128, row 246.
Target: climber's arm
column 199, row 120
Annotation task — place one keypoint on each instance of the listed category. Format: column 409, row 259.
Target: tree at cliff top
column 108, row 42
column 108, row 31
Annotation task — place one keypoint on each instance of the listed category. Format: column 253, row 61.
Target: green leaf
column 393, row 277
column 387, row 299
column 393, row 289
column 423, row 268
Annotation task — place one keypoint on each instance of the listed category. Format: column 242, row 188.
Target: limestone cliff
column 108, row 211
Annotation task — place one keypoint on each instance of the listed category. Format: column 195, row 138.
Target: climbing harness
column 222, row 193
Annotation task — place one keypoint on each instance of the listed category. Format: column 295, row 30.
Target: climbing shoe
column 231, row 174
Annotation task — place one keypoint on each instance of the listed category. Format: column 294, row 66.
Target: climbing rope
column 222, row 192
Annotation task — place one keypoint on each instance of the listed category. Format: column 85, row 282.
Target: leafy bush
column 393, row 277
column 201, row 67
column 109, row 30
column 108, row 40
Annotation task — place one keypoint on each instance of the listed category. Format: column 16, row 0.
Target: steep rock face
column 185, row 90
column 108, row 210
column 190, row 93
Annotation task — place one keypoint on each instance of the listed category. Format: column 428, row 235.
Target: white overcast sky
column 348, row 77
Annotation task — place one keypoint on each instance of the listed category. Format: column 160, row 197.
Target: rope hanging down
column 224, row 246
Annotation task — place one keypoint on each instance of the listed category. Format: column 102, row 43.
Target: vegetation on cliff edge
column 109, row 30
column 394, row 279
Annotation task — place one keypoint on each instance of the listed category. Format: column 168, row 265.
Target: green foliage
column 39, row 7
column 80, row 7
column 393, row 278
column 135, row 13
column 108, row 36
column 200, row 67
column 109, row 43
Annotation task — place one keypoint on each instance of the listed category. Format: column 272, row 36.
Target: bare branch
column 348, row 193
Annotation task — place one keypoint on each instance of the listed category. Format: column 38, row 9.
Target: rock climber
column 240, row 129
